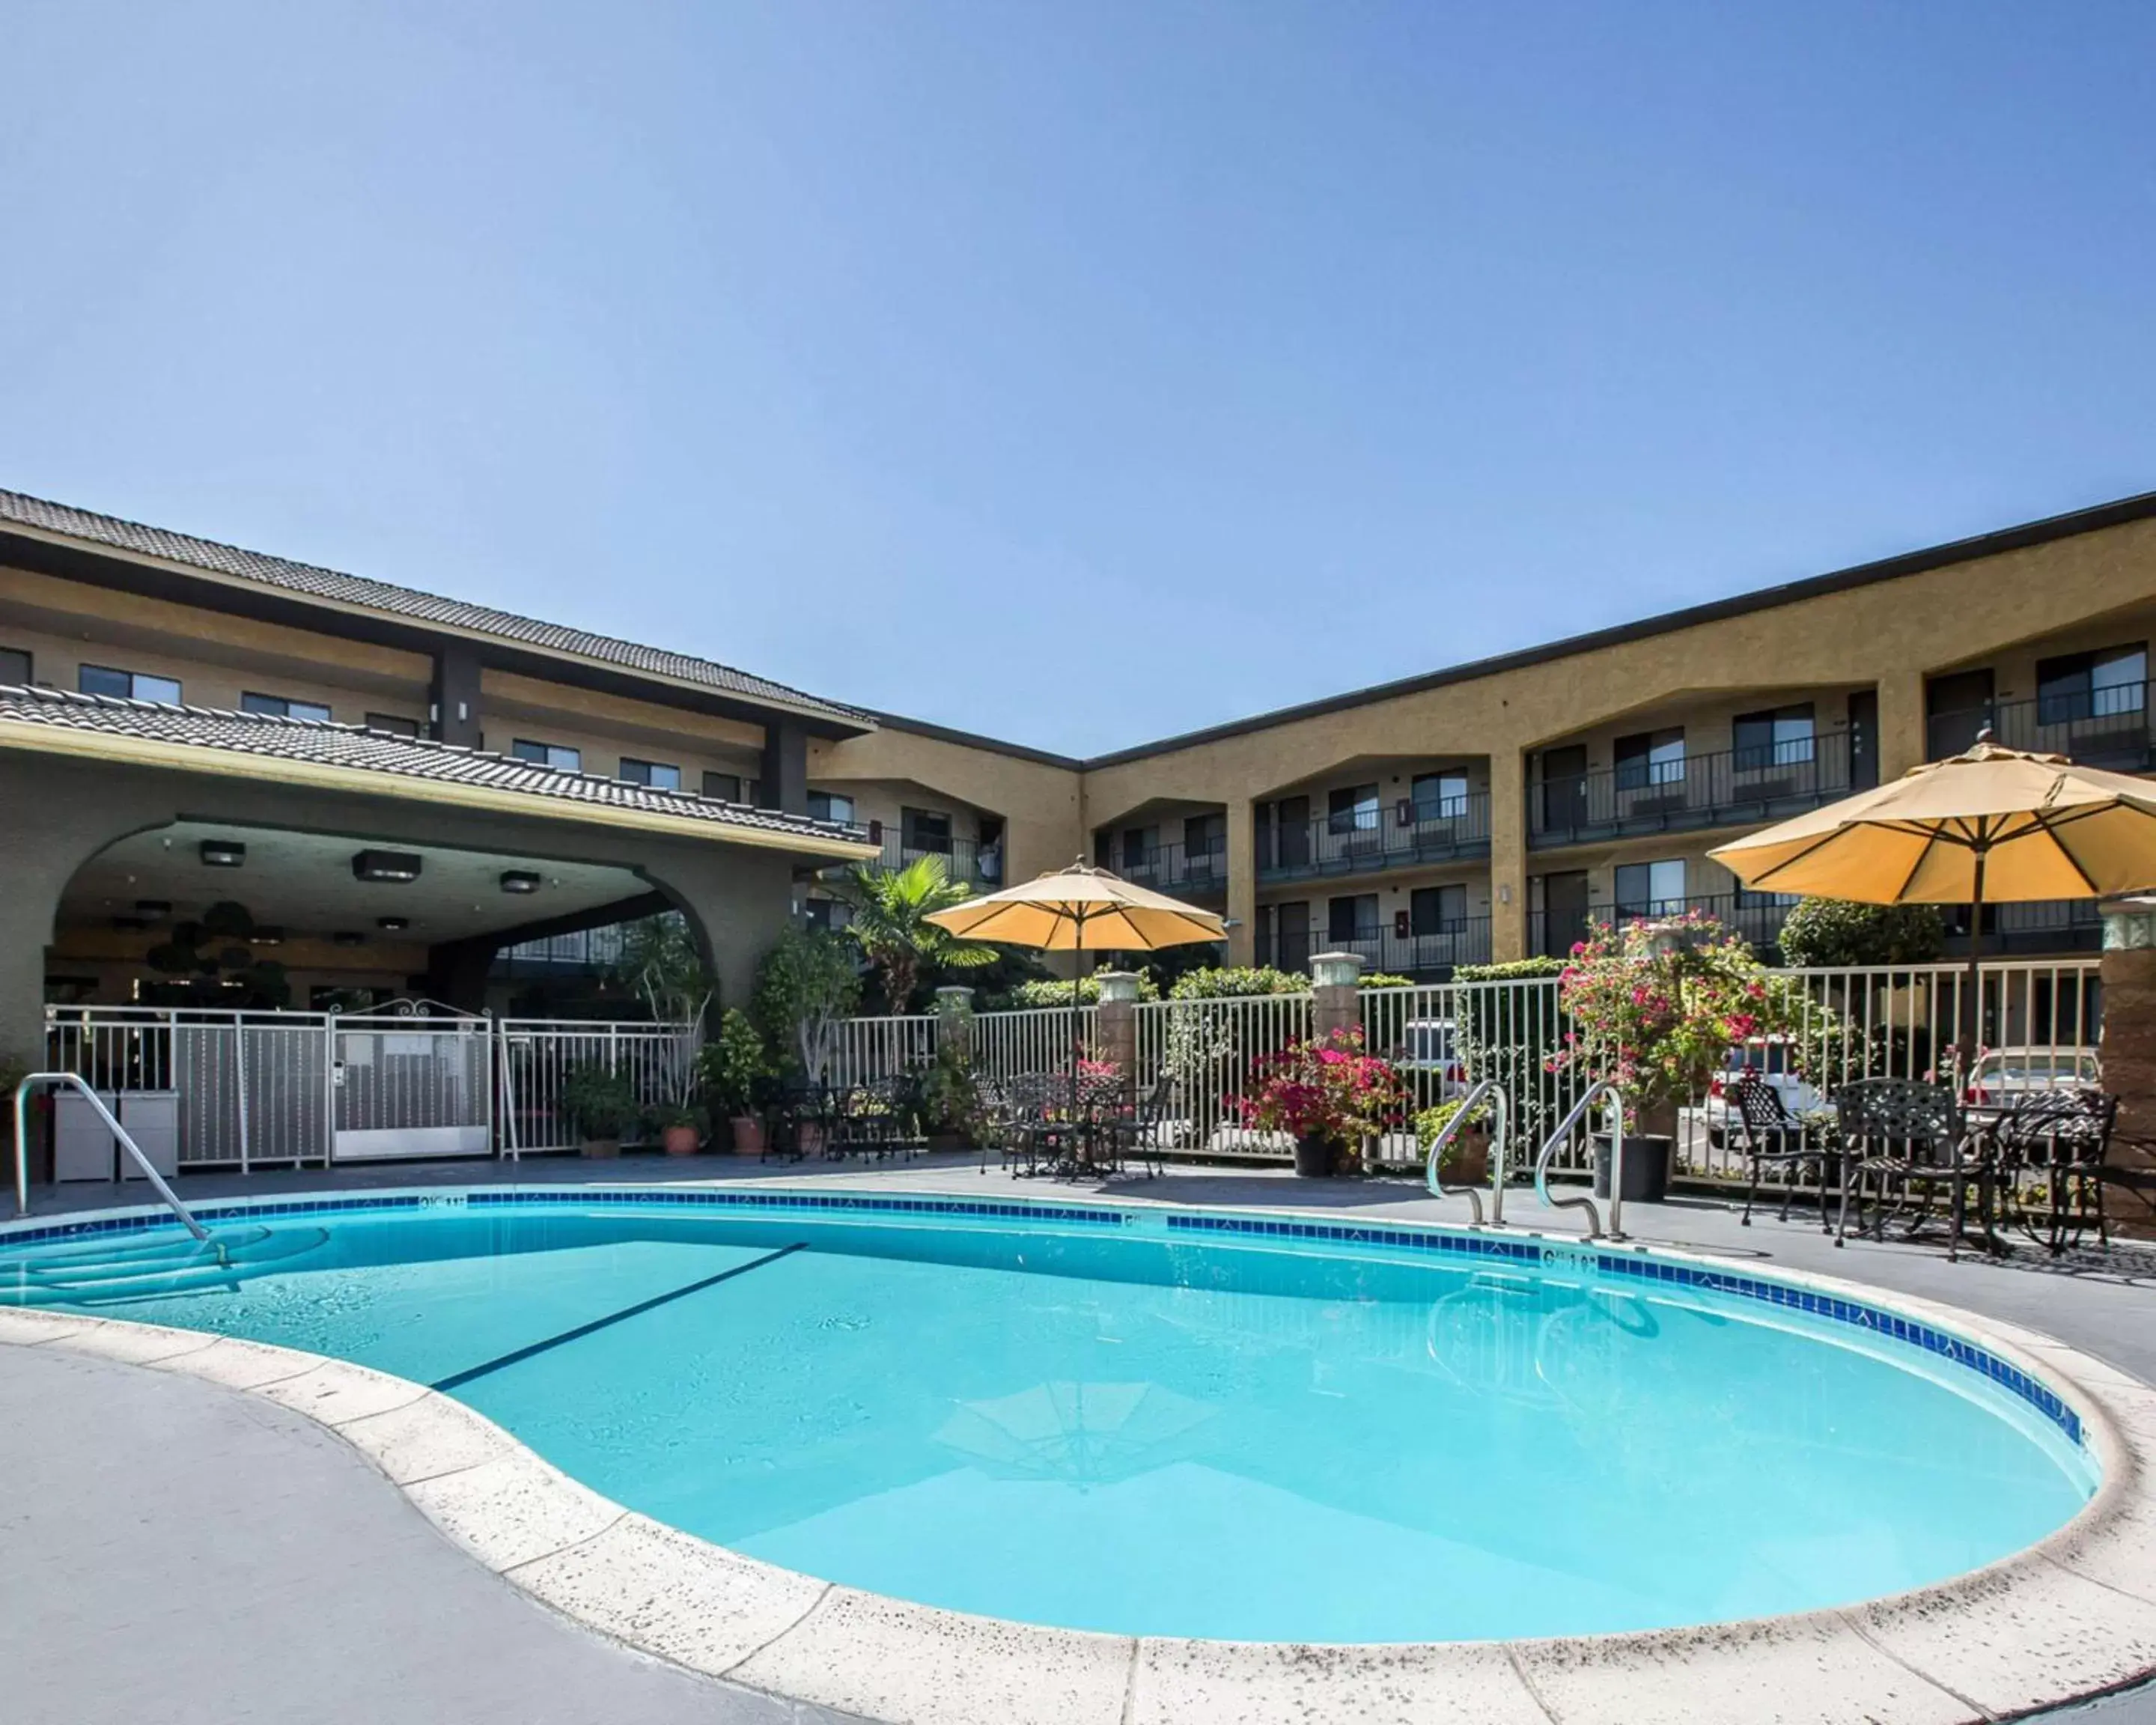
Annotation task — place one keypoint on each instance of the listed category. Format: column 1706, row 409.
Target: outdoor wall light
column 391, row 866
column 392, row 924
column 349, row 937
column 224, row 854
column 265, row 935
column 519, row 880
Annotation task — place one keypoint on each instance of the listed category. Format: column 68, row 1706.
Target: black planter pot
column 1313, row 1158
column 1646, row 1169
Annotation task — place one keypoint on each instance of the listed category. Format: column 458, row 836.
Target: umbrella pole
column 1972, row 1014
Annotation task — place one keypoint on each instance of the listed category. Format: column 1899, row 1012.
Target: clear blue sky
column 1078, row 373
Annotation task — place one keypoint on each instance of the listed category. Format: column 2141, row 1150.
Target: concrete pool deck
column 146, row 1571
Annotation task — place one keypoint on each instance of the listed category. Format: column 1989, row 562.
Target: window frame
column 519, row 749
column 1644, row 760
column 134, row 680
column 279, row 706
column 1796, row 749
column 1362, row 814
column 644, row 770
column 29, row 666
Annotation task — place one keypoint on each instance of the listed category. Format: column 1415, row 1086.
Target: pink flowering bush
column 1324, row 1088
column 1658, row 1005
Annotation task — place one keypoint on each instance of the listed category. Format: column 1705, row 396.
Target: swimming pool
column 1152, row 1423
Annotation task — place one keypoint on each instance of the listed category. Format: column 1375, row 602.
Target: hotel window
column 14, row 666
column 1440, row 796
column 127, row 685
column 657, row 774
column 1352, row 919
column 1139, row 843
column 2091, row 685
column 1204, row 836
column 561, row 758
column 824, row 805
column 1352, row 809
column 1650, row 758
column 926, row 830
column 727, row 787
column 278, row 707
column 395, row 724
column 1437, row 910
column 1781, row 738
column 1650, row 889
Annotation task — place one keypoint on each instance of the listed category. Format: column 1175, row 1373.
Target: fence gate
column 409, row 1086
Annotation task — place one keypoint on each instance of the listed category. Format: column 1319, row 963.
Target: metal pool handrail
column 1501, row 1128
column 119, row 1132
column 1600, row 1087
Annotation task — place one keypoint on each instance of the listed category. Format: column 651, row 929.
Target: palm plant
column 892, row 908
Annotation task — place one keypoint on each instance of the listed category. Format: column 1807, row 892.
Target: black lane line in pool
column 455, row 1379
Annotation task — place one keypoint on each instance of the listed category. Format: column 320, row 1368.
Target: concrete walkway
column 174, row 1551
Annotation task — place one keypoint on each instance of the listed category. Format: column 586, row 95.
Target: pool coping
column 2071, row 1616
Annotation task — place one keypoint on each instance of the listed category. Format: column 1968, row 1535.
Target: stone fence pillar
column 1335, row 979
column 2128, row 1047
column 1115, row 1026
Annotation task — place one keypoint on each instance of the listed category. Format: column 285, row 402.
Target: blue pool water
column 1112, row 1427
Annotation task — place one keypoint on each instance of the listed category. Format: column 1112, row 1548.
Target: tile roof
column 405, row 602
column 320, row 742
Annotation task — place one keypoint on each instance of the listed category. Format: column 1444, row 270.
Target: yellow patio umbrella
column 1990, row 826
column 1080, row 909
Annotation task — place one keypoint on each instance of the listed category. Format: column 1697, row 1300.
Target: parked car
column 1429, row 1049
column 1773, row 1058
column 2003, row 1073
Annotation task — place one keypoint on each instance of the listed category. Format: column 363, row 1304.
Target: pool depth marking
column 458, row 1378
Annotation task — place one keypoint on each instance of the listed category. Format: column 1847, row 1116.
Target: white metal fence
column 866, row 1049
column 1032, row 1039
column 1207, row 1051
column 538, row 1055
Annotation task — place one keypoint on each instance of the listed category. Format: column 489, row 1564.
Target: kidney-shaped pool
column 1160, row 1424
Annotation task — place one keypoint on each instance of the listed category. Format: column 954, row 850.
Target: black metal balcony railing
column 1398, row 835
column 1187, row 871
column 1757, row 917
column 1725, row 788
column 2038, row 927
column 980, row 865
column 2113, row 727
column 1429, row 956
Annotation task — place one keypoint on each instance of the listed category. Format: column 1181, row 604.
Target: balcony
column 1430, row 956
column 2037, row 929
column 1729, row 787
column 2112, row 727
column 1181, row 871
column 1757, row 917
column 1403, row 836
column 976, row 865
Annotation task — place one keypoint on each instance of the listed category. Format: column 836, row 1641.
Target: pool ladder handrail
column 118, row 1131
column 1499, row 1131
column 1600, row 1088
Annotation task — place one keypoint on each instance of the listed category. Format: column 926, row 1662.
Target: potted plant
column 1327, row 1093
column 599, row 1107
column 733, row 1071
column 1465, row 1160
column 681, row 1126
column 1655, row 1006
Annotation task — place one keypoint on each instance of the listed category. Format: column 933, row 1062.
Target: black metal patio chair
column 2058, row 1139
column 1905, row 1138
column 1768, row 1136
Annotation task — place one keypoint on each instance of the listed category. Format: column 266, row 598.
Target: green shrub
column 596, row 1103
column 1512, row 970
column 1834, row 930
column 1228, row 982
column 1386, row 979
column 1055, row 991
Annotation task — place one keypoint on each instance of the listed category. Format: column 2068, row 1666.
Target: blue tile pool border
column 1535, row 1251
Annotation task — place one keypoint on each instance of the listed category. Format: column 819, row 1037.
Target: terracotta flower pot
column 678, row 1140
column 748, row 1135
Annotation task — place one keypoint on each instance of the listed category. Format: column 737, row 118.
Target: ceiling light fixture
column 392, row 924
column 393, row 867
column 222, row 853
column 349, row 937
column 153, row 907
column 519, row 880
column 265, row 936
